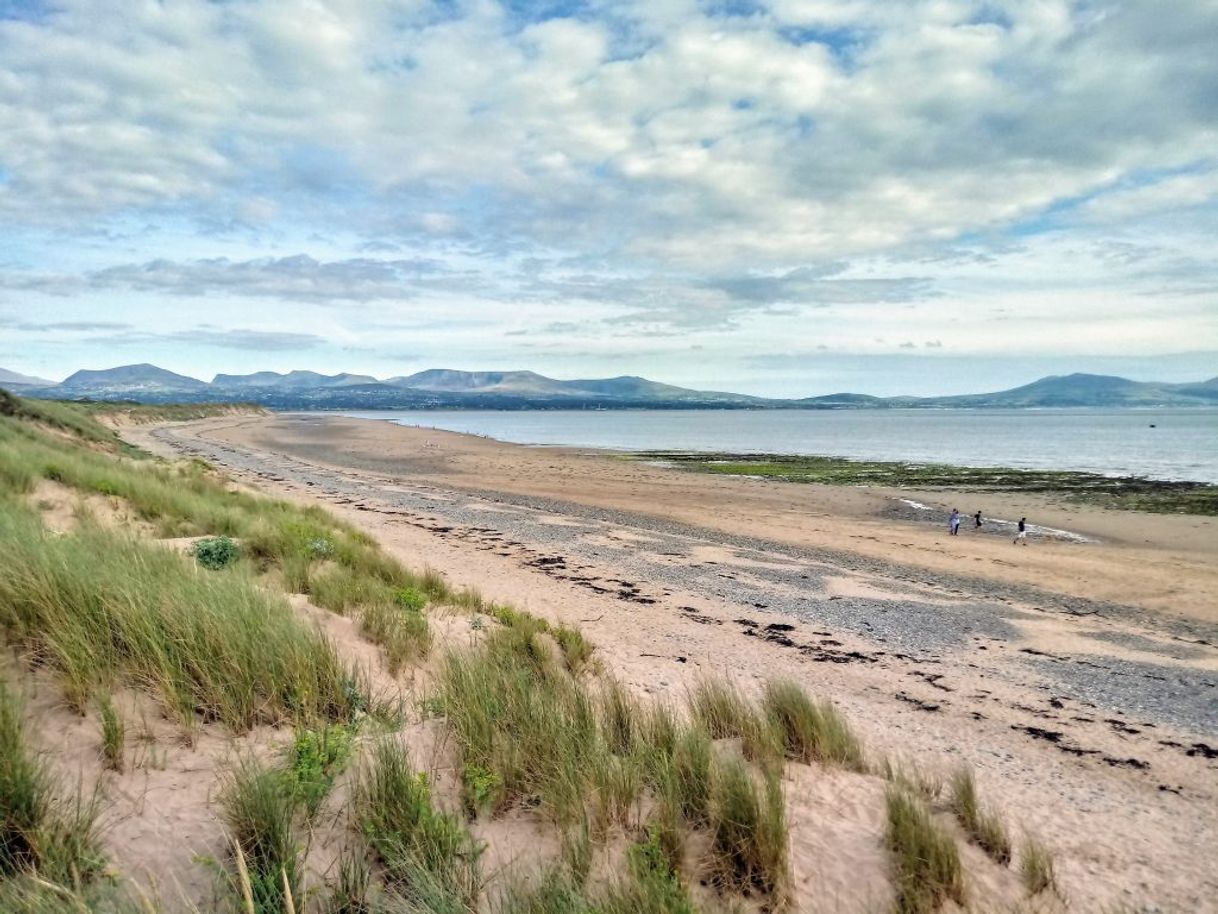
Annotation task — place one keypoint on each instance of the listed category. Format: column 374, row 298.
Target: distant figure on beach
column 1022, row 535
column 977, row 521
column 953, row 522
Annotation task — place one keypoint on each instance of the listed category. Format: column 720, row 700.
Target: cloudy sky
column 783, row 197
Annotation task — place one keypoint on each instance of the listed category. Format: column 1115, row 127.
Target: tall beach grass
column 96, row 606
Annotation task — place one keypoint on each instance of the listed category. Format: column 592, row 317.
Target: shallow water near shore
column 1173, row 444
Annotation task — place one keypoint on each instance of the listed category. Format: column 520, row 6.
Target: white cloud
column 667, row 167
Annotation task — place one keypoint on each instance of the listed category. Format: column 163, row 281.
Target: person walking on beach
column 977, row 521
column 1022, row 535
column 953, row 522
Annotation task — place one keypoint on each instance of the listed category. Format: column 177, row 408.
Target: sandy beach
column 1078, row 676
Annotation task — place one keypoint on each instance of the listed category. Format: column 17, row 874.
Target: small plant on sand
column 927, row 861
column 982, row 825
column 114, row 734
column 478, row 788
column 748, row 829
column 410, row 599
column 1036, row 867
column 259, row 806
column 215, row 552
column 810, row 731
column 315, row 759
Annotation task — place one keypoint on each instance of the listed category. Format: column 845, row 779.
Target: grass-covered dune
column 1124, row 492
column 668, row 808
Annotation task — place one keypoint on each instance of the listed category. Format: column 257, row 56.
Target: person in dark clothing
column 1022, row 535
column 977, row 521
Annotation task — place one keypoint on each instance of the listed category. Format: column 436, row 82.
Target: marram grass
column 97, row 606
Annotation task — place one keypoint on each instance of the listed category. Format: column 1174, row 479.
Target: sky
column 777, row 197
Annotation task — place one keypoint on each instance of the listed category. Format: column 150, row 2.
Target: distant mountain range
column 447, row 389
column 11, row 379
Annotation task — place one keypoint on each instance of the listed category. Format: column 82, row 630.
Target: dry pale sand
column 1079, row 680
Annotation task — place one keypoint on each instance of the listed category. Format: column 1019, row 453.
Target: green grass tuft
column 810, row 731
column 576, row 649
column 40, row 830
column 927, row 861
column 982, row 825
column 114, row 734
column 259, row 807
column 720, row 708
column 518, row 715
column 1036, row 867
column 748, row 829
column 620, row 717
column 403, row 634
column 427, row 854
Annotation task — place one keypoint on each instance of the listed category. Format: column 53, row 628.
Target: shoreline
column 1161, row 562
column 778, row 456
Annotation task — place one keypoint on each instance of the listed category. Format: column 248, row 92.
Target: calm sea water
column 1182, row 444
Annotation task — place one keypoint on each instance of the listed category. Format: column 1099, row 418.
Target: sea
column 1170, row 444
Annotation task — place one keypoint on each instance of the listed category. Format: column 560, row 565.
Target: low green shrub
column 315, row 759
column 478, row 788
column 215, row 552
column 409, row 599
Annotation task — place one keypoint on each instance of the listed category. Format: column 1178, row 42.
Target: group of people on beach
column 953, row 526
